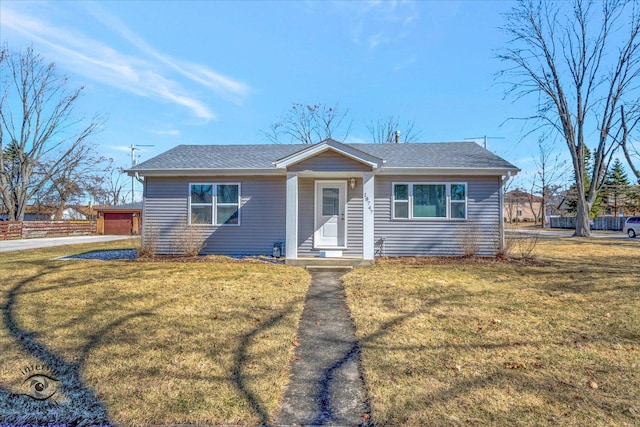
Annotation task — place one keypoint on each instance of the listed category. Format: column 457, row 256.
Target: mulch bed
column 458, row 260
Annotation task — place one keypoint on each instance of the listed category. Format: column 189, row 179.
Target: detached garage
column 120, row 220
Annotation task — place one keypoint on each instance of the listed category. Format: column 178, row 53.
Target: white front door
column 330, row 214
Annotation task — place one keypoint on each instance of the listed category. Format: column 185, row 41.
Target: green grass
column 155, row 342
column 480, row 342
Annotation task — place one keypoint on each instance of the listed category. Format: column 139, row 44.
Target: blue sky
column 214, row 72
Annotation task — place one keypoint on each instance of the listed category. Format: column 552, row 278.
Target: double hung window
column 214, row 204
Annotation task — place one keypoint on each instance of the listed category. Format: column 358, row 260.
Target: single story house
column 521, row 206
column 123, row 220
column 32, row 213
column 328, row 199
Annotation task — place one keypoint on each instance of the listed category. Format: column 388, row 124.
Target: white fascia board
column 206, row 172
column 448, row 171
column 339, row 148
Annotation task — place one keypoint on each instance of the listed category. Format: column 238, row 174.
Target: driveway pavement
column 23, row 244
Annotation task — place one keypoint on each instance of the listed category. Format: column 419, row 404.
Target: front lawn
column 480, row 342
column 147, row 342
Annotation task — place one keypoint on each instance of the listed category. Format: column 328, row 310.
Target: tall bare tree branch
column 569, row 56
column 383, row 131
column 38, row 126
column 308, row 124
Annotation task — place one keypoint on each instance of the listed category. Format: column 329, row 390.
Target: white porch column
column 291, row 216
column 368, row 199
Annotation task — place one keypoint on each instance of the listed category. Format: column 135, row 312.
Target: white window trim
column 214, row 204
column 447, row 203
column 451, row 201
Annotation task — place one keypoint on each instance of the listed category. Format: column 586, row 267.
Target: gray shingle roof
column 262, row 156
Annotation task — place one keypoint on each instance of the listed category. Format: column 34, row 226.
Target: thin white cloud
column 224, row 86
column 146, row 75
column 406, row 62
column 119, row 148
column 376, row 39
column 378, row 22
column 172, row 132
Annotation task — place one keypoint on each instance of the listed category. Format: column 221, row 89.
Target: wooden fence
column 34, row 229
column 613, row 223
column 10, row 230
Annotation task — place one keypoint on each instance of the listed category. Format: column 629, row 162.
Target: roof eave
column 204, row 172
column 449, row 171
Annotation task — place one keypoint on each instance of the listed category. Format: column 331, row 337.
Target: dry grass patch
column 154, row 342
column 484, row 342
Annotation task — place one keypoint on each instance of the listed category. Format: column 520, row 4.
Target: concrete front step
column 329, row 262
column 329, row 267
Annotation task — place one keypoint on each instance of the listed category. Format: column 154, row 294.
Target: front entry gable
column 329, row 155
column 329, row 161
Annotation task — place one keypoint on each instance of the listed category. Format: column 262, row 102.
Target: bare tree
column 110, row 187
column 37, row 126
column 535, row 202
column 631, row 153
column 308, row 124
column 580, row 61
column 509, row 204
column 384, row 131
column 551, row 171
column 73, row 180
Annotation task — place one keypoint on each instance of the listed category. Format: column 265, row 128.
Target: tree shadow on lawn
column 582, row 276
column 78, row 404
column 242, row 360
column 549, row 383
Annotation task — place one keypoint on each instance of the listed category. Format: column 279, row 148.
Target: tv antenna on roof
column 134, row 161
column 485, row 139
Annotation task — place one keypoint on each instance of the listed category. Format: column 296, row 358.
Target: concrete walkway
column 23, row 244
column 326, row 385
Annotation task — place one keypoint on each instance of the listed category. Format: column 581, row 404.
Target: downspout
column 503, row 181
column 141, row 220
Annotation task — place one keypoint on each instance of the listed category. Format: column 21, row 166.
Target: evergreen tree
column 632, row 202
column 616, row 186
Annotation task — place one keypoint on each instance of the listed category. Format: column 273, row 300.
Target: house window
column 458, row 201
column 214, row 204
column 429, row 200
column 401, row 200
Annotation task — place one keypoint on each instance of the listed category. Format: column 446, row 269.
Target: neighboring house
column 120, row 220
column 327, row 199
column 33, row 213
column 48, row 213
column 78, row 212
column 522, row 206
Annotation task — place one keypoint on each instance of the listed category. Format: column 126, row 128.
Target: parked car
column 632, row 226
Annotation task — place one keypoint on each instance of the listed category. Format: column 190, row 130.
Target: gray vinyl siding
column 262, row 215
column 354, row 220
column 306, row 218
column 329, row 161
column 306, row 205
column 439, row 237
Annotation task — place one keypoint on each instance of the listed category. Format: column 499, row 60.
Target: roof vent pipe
column 397, row 136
